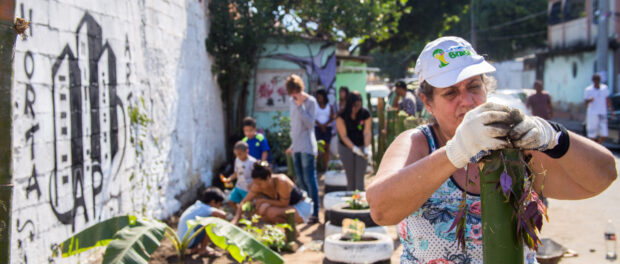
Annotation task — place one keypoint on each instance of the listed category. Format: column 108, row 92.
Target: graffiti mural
column 105, row 121
column 85, row 120
column 271, row 92
column 318, row 74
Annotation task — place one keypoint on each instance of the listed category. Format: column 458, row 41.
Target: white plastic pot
column 333, row 229
column 358, row 252
column 335, row 178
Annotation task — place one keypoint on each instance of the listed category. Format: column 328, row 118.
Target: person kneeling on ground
column 208, row 205
column 274, row 194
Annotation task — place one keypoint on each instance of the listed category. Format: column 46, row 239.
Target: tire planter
column 334, row 188
column 338, row 212
column 336, row 197
column 334, row 229
column 380, row 249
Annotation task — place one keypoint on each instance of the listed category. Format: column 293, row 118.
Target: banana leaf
column 241, row 245
column 499, row 239
column 135, row 244
column 97, row 235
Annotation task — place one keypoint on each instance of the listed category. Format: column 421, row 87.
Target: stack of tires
column 335, row 180
column 376, row 246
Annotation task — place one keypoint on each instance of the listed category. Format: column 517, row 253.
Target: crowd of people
column 423, row 169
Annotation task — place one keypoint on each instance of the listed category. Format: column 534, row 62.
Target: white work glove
column 534, row 133
column 358, row 151
column 366, row 151
column 480, row 132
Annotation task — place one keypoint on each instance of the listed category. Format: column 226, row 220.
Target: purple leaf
column 506, row 182
column 530, row 210
column 538, row 221
column 457, row 219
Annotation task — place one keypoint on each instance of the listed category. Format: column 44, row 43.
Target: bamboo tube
column 499, row 236
column 381, row 145
column 291, row 234
column 391, row 123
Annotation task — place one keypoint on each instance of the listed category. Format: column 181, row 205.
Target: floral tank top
column 424, row 234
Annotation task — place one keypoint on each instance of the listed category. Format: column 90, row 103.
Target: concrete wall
column 566, row 77
column 115, row 112
column 510, row 75
column 355, row 80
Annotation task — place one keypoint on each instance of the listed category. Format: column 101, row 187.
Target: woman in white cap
column 420, row 180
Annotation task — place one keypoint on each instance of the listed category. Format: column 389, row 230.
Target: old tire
column 335, row 177
column 378, row 250
column 334, row 198
column 338, row 212
column 334, row 229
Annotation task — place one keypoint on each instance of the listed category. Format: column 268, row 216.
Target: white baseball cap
column 449, row 60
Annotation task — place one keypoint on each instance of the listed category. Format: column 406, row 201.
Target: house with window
column 570, row 60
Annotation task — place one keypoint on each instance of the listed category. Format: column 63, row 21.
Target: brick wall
column 115, row 111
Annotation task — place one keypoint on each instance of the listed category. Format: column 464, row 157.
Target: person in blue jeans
column 208, row 205
column 303, row 147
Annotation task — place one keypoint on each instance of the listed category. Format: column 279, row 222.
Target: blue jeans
column 305, row 169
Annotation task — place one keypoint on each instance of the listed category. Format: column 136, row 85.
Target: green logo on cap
column 438, row 54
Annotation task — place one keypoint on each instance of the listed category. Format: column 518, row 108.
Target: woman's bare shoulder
column 412, row 142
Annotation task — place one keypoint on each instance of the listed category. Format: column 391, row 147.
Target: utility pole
column 602, row 42
column 473, row 24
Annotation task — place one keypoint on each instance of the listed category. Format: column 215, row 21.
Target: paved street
column 579, row 225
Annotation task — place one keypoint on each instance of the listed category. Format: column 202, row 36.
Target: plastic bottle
column 610, row 241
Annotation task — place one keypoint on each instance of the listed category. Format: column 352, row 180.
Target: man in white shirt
column 597, row 101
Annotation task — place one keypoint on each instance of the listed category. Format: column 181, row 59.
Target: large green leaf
column 97, row 235
column 135, row 244
column 240, row 244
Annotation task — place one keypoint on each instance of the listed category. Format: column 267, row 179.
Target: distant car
column 613, row 123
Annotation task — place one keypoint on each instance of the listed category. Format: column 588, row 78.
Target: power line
column 518, row 20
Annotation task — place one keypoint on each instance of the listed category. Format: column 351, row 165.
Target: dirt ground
column 307, row 233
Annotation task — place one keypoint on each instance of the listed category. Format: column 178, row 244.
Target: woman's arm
column 367, row 131
column 406, row 178
column 586, row 170
column 342, row 132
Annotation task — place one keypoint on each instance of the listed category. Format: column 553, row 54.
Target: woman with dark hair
column 354, row 132
column 323, row 123
column 343, row 92
column 274, row 194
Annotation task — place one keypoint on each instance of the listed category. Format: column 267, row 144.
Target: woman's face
column 261, row 183
column 320, row 99
column 343, row 94
column 450, row 104
column 356, row 106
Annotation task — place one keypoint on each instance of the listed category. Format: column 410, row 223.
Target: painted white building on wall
column 115, row 111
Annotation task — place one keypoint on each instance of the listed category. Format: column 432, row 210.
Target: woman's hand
column 480, row 132
column 534, row 133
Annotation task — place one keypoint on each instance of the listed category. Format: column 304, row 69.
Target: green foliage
column 136, row 243
column 273, row 236
column 97, row 235
column 278, row 135
column 133, row 240
column 241, row 245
